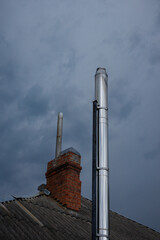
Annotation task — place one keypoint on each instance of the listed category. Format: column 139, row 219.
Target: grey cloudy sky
column 49, row 52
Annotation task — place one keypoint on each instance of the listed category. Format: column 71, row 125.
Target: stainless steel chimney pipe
column 59, row 134
column 100, row 159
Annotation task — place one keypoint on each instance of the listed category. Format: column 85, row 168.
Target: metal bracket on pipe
column 102, row 235
column 102, row 168
column 98, row 107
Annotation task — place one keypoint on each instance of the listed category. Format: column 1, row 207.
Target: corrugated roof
column 61, row 223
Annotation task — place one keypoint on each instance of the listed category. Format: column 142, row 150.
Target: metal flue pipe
column 100, row 174
column 59, row 134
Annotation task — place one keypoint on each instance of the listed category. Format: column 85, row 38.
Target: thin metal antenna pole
column 59, row 134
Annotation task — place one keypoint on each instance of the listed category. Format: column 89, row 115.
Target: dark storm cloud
column 7, row 93
column 34, row 103
column 155, row 56
column 153, row 154
column 49, row 53
column 122, row 102
column 135, row 40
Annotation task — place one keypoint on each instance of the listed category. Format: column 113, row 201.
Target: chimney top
column 71, row 149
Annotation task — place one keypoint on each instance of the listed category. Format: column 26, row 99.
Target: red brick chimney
column 63, row 178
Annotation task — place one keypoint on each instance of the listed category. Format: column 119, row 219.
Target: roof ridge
column 135, row 221
column 86, row 199
column 23, row 198
column 35, row 196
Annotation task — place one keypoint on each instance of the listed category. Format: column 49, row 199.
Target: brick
column 63, row 180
